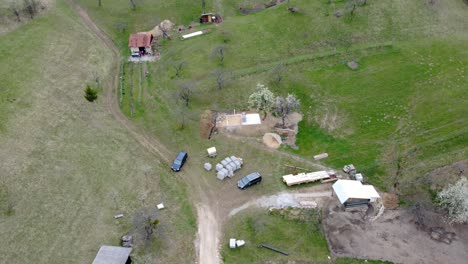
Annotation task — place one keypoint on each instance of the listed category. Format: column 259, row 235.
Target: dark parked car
column 179, row 161
column 249, row 180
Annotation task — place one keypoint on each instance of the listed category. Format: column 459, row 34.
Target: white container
column 232, row 243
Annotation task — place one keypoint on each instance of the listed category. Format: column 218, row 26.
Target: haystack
column 272, row 140
column 164, row 26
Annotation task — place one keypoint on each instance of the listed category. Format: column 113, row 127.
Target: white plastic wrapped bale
column 228, row 159
column 219, row 167
column 238, row 164
column 232, row 243
column 229, row 167
column 221, row 175
column 207, row 166
column 230, row 174
column 235, row 166
column 224, row 162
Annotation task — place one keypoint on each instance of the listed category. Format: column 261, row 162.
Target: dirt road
column 208, row 229
column 210, row 216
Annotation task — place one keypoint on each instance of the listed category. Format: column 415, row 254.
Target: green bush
column 90, row 93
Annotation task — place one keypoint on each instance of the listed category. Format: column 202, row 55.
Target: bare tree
column 203, row 6
column 285, row 106
column 185, row 92
column 219, row 53
column 278, row 72
column 15, row 10
column 150, row 227
column 133, row 4
column 31, row 7
column 121, row 26
column 221, row 77
column 178, row 66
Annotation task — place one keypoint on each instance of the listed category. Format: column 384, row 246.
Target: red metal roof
column 140, row 40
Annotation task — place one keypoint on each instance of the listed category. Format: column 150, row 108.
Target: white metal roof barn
column 113, row 255
column 353, row 193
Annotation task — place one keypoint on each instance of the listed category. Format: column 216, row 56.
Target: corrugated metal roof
column 112, row 255
column 346, row 189
column 140, row 40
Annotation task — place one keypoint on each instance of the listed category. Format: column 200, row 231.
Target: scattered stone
column 127, row 241
column 160, row 206
column 446, row 241
column 435, row 235
column 353, row 65
column 338, row 14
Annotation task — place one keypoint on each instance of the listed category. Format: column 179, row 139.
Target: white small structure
column 160, row 206
column 240, row 243
column 211, row 152
column 250, row 119
column 232, row 243
column 112, row 255
column 354, row 193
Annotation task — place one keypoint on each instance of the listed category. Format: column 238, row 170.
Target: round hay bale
column 272, row 140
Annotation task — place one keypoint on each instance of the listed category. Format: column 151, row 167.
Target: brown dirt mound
column 272, row 140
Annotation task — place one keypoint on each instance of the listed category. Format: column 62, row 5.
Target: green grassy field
column 403, row 105
column 67, row 166
column 297, row 232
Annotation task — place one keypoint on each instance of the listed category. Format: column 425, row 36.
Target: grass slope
column 401, row 113
column 67, row 166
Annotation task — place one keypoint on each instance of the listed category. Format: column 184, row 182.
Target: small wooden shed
column 113, row 255
column 210, row 18
column 140, row 43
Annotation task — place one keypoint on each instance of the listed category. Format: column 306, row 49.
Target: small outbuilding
column 140, row 44
column 354, row 193
column 210, row 18
column 113, row 255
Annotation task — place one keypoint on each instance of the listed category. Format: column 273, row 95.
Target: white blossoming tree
column 262, row 99
column 454, row 199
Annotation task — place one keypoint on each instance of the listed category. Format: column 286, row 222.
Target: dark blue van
column 179, row 161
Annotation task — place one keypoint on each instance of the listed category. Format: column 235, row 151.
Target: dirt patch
column 206, row 124
column 439, row 178
column 394, row 237
column 390, row 200
column 267, row 126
